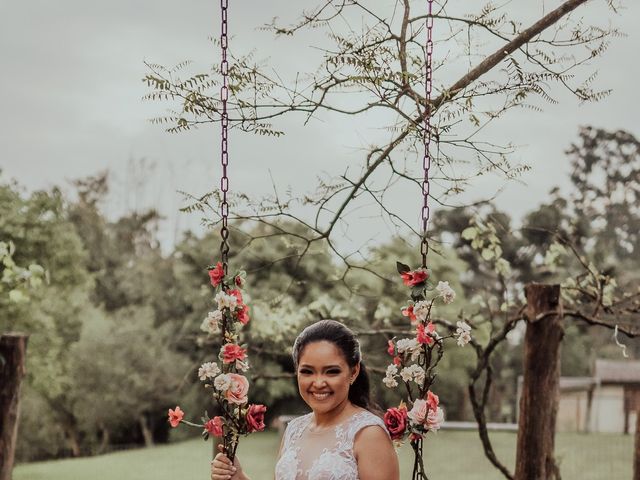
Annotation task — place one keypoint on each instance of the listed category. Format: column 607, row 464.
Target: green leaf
column 17, row 296
column 469, row 233
column 487, row 254
column 402, row 268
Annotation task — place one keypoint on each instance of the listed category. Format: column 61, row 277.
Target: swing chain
column 426, row 160
column 224, row 96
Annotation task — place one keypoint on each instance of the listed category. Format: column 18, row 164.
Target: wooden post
column 636, row 465
column 540, row 388
column 13, row 347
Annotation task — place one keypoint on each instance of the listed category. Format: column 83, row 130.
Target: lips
column 321, row 396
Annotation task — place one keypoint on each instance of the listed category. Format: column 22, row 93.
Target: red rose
column 423, row 333
column 391, row 348
column 411, row 279
column 232, row 352
column 397, row 360
column 216, row 274
column 255, row 418
column 214, row 426
column 408, row 312
column 433, row 401
column 175, row 416
column 236, row 293
column 396, row 422
column 243, row 314
column 239, row 281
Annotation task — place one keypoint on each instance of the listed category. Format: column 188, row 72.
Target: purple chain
column 426, row 160
column 224, row 157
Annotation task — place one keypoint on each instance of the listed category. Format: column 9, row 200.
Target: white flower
column 242, row 366
column 418, row 374
column 210, row 324
column 222, row 382
column 446, row 292
column 406, row 374
column 463, row 332
column 392, row 370
column 226, row 301
column 421, row 310
column 413, row 372
column 407, row 345
column 389, row 379
column 208, row 370
column 390, row 382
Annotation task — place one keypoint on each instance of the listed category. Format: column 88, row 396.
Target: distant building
column 607, row 402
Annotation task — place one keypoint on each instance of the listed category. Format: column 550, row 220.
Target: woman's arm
column 375, row 455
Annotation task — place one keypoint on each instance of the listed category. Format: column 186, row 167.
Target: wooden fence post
column 13, row 348
column 540, row 389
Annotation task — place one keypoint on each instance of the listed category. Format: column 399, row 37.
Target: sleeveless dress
column 326, row 455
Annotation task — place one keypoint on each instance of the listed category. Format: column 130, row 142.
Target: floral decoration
column 414, row 361
column 225, row 375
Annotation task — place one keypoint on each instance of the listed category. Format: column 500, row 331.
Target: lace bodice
column 324, row 455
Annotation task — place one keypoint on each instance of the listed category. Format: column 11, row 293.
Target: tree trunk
column 13, row 348
column 540, row 388
column 147, row 434
column 636, row 466
column 71, row 432
column 104, row 438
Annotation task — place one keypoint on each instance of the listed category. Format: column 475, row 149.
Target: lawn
column 449, row 455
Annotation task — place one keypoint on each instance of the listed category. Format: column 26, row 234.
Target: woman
column 340, row 439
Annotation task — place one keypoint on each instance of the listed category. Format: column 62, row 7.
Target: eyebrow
column 304, row 365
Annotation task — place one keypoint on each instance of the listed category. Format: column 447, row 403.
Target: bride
column 340, row 439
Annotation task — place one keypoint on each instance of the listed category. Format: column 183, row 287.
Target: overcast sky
column 70, row 103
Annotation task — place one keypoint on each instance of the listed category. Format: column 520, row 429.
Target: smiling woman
column 341, row 439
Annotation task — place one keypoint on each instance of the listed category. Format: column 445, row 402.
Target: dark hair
column 343, row 338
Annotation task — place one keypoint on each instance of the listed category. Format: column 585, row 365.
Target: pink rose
column 238, row 390
column 243, row 314
column 255, row 418
column 232, row 352
column 216, row 274
column 214, row 426
column 427, row 412
column 435, row 419
column 395, row 419
column 175, row 416
column 419, row 412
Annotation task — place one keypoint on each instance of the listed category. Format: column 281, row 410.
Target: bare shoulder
column 372, row 434
column 375, row 455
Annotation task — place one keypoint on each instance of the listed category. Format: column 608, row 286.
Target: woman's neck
column 335, row 416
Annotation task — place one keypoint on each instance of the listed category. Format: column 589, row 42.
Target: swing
column 417, row 357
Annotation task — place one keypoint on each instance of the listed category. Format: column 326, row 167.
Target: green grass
column 449, row 455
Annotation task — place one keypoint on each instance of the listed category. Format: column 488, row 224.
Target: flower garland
column 225, row 376
column 414, row 363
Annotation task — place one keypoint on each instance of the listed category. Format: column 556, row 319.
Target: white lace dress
column 326, row 455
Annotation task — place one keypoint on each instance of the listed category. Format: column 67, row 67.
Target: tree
column 381, row 65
